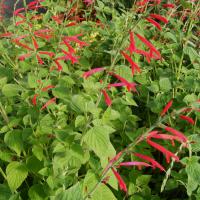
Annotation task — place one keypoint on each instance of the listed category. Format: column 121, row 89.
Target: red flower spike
column 147, row 43
column 182, row 137
column 34, row 99
column 166, row 152
column 151, row 160
column 131, row 47
column 53, row 100
column 159, row 17
column 166, row 108
column 122, row 184
column 168, row 5
column 132, row 63
column 47, row 87
column 19, row 22
column 107, row 98
column 188, row 119
column 92, row 71
column 154, row 23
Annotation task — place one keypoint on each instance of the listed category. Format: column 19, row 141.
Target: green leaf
column 73, row 193
column 101, row 193
column 97, row 139
column 16, row 174
column 165, row 84
column 5, row 192
column 36, row 192
column 11, row 90
column 14, row 140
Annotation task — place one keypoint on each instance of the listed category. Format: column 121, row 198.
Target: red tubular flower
column 107, row 98
column 122, row 184
column 131, row 47
column 50, row 54
column 188, row 119
column 151, row 160
column 135, row 163
column 47, row 87
column 182, row 137
column 159, row 17
column 92, row 71
column 24, row 56
column 168, row 5
column 144, row 53
column 147, row 43
column 59, row 67
column 53, row 100
column 35, row 44
column 166, row 108
column 22, row 45
column 40, row 61
column 122, row 84
column 18, row 11
column 128, row 85
column 132, row 63
column 19, row 22
column 34, row 99
column 70, row 48
column 154, row 23
column 142, row 3
column 8, row 34
column 74, row 38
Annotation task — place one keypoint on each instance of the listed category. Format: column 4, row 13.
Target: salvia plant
column 99, row 99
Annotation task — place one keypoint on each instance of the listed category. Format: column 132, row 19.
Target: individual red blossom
column 34, row 99
column 147, row 43
column 154, row 163
column 107, row 98
column 122, row 84
column 59, row 67
column 53, row 100
column 182, row 137
column 166, row 152
column 20, row 15
column 92, row 71
column 71, row 24
column 168, row 5
column 24, row 56
column 131, row 47
column 122, row 184
column 69, row 56
column 20, row 22
column 135, row 163
column 166, row 108
column 134, row 65
column 154, row 23
column 159, row 17
column 22, row 44
column 43, row 36
column 18, row 11
column 70, row 48
column 166, row 137
column 40, row 61
column 50, row 54
column 35, row 44
column 144, row 53
column 47, row 88
column 74, row 38
column 128, row 85
column 142, row 3
column 57, row 19
column 8, row 34
column 188, row 119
